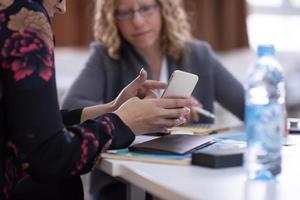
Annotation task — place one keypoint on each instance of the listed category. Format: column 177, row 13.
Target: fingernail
column 180, row 121
column 142, row 71
column 185, row 111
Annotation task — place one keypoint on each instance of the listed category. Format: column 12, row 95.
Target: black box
column 219, row 156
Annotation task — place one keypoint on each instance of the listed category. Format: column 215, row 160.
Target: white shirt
column 164, row 75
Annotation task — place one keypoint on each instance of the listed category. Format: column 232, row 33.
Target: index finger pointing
column 152, row 84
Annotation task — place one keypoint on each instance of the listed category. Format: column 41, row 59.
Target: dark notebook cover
column 174, row 144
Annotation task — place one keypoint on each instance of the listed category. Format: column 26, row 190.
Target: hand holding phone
column 181, row 84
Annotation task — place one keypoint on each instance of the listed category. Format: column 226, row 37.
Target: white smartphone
column 181, row 84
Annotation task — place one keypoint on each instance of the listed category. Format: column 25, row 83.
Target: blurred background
column 234, row 28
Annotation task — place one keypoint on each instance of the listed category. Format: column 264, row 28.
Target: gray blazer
column 103, row 78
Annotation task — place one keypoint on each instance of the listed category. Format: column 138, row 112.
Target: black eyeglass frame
column 143, row 10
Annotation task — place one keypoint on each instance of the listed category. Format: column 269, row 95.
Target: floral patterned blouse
column 35, row 137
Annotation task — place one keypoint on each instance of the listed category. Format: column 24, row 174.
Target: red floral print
column 31, row 54
column 88, row 137
column 34, row 21
column 109, row 125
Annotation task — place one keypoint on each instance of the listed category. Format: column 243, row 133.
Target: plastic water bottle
column 265, row 116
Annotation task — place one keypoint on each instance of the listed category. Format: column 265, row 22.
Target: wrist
column 94, row 111
column 111, row 106
column 125, row 119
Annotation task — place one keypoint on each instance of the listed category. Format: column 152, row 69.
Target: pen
column 204, row 112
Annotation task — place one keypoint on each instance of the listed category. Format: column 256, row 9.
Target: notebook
column 199, row 129
column 173, row 144
column 125, row 154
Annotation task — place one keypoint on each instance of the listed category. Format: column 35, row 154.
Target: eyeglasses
column 144, row 11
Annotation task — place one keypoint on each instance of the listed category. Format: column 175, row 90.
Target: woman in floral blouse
column 43, row 150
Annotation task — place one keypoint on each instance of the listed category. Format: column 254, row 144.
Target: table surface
column 195, row 182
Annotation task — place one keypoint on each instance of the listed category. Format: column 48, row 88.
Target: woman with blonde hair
column 153, row 34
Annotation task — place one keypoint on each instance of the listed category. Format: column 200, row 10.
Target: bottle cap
column 265, row 50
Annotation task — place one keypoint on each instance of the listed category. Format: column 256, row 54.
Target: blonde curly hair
column 175, row 28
